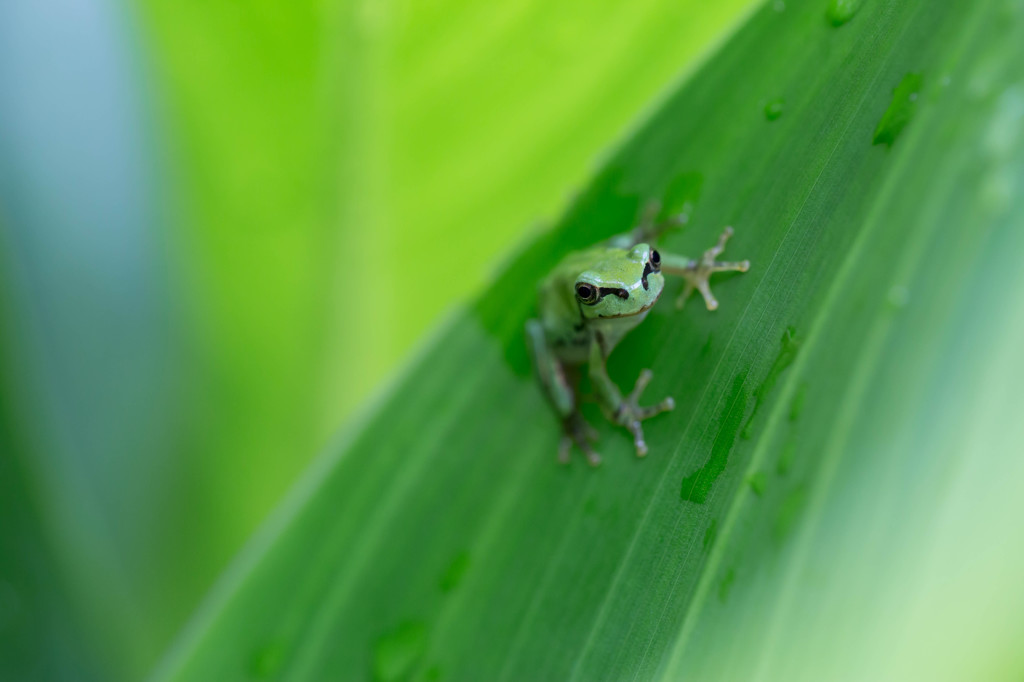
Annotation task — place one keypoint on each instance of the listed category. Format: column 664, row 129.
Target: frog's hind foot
column 698, row 272
column 631, row 414
column 576, row 431
column 647, row 230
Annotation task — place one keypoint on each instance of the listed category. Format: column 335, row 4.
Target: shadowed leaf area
column 847, row 502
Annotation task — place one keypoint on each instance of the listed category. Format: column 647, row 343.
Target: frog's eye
column 655, row 260
column 587, row 293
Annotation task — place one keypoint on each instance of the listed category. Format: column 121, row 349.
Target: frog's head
column 625, row 282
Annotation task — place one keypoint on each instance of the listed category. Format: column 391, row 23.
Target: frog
column 585, row 306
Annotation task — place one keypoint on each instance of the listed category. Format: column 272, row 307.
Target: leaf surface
column 835, row 495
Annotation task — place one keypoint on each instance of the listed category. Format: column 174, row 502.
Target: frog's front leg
column 624, row 411
column 559, row 389
column 698, row 272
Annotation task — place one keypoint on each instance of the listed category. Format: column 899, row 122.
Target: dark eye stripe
column 621, row 293
column 647, row 270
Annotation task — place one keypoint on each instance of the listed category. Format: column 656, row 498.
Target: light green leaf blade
column 176, row 207
column 314, row 144
column 834, row 497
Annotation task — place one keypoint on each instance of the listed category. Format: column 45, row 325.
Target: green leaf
column 184, row 208
column 847, row 436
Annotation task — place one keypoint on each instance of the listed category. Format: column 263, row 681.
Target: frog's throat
column 641, row 310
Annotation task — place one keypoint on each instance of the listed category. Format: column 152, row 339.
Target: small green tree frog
column 589, row 302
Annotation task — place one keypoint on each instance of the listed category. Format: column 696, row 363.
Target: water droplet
column 789, row 512
column 787, row 353
column 757, row 482
column 779, row 6
column 898, row 297
column 774, row 108
column 397, row 652
column 267, row 660
column 726, row 585
column 841, row 11
column 797, row 406
column 785, row 463
column 696, row 486
column 455, row 572
column 901, row 109
column 710, row 534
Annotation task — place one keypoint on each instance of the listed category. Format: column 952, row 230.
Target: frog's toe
column 631, row 406
column 642, row 380
column 631, row 413
column 576, row 431
column 564, row 449
column 638, row 437
column 687, row 290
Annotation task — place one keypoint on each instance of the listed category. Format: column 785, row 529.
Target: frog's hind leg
column 647, row 230
column 550, row 370
column 559, row 386
column 576, row 431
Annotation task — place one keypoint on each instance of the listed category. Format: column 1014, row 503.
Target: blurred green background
column 221, row 225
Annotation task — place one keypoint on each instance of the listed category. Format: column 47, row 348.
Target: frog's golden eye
column 655, row 260
column 587, row 293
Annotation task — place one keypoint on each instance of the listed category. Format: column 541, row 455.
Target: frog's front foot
column 576, row 430
column 630, row 413
column 698, row 272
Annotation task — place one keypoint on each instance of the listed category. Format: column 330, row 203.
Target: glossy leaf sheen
column 833, row 496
